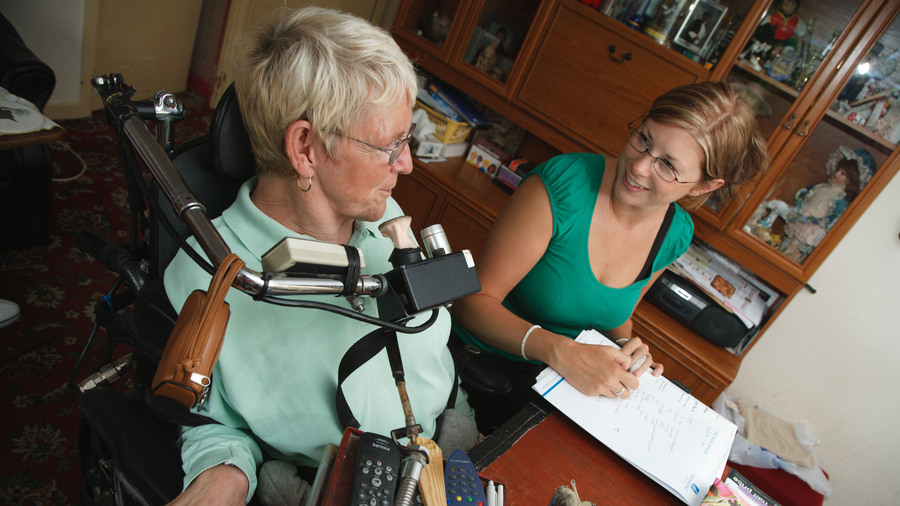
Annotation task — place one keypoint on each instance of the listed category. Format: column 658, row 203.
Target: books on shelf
column 457, row 103
column 660, row 429
column 439, row 106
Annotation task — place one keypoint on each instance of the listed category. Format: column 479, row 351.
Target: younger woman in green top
column 574, row 247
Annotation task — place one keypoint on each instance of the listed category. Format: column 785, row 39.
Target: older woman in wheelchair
column 326, row 99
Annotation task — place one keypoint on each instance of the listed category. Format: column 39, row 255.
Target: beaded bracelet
column 522, row 347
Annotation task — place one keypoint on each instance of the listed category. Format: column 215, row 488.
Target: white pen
column 491, row 493
column 500, row 501
column 637, row 363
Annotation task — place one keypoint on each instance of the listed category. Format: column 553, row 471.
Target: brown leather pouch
column 193, row 347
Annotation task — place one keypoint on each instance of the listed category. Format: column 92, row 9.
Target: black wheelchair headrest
column 232, row 154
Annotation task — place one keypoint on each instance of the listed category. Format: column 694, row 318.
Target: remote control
column 377, row 471
column 462, row 481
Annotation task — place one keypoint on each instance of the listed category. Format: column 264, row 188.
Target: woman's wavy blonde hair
column 724, row 126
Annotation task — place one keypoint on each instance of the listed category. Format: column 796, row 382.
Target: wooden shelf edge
column 695, row 352
column 466, row 183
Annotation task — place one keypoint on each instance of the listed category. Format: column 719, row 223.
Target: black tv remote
column 377, row 471
column 461, row 480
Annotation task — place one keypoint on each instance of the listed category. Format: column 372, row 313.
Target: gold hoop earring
column 308, row 179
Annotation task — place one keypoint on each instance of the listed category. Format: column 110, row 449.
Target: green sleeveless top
column 561, row 293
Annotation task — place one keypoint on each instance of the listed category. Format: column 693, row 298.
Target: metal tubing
column 193, row 214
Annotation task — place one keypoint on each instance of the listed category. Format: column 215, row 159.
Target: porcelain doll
column 817, row 207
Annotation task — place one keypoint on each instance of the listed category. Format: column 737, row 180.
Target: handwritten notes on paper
column 660, row 429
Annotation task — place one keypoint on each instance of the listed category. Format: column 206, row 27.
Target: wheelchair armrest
column 144, row 449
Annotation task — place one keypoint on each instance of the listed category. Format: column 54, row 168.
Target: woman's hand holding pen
column 604, row 370
column 595, row 370
column 640, row 357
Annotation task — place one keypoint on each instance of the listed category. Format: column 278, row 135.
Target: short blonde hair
column 724, row 126
column 319, row 65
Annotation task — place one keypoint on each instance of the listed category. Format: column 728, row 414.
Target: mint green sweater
column 273, row 387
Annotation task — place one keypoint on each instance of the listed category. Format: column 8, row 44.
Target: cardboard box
column 511, row 175
column 508, row 177
column 487, row 157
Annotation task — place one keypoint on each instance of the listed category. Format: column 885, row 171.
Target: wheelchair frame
column 128, row 117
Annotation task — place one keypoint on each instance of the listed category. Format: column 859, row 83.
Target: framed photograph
column 702, row 21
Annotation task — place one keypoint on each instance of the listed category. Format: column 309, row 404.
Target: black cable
column 133, row 178
column 170, row 229
column 310, row 304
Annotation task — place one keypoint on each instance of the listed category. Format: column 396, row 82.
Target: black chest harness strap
column 361, row 352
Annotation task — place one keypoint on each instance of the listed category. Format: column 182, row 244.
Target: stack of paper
column 18, row 116
column 660, row 429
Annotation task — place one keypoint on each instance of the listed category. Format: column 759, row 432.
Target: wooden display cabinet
column 455, row 195
column 783, row 219
column 569, row 88
column 591, row 78
column 432, row 25
column 496, row 40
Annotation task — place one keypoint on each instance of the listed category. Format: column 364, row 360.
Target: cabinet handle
column 625, row 57
column 791, row 122
column 804, row 129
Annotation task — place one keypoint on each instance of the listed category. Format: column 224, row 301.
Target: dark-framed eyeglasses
column 664, row 168
column 393, row 152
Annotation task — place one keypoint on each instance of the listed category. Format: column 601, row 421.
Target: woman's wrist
column 525, row 341
column 550, row 348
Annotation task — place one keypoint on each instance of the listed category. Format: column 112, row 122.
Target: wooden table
column 12, row 141
column 539, row 450
column 533, row 454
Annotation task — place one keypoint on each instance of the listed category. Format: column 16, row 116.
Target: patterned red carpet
column 56, row 285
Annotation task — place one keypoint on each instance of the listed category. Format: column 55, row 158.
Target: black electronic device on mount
column 129, row 441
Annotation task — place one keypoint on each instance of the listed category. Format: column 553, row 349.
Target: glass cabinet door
column 432, row 24
column 787, row 46
column 495, row 35
column 837, row 160
column 786, row 49
column 700, row 30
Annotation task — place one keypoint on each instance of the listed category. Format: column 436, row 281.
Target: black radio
column 695, row 309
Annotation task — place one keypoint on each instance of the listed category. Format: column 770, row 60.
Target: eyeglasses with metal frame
column 664, row 168
column 393, row 152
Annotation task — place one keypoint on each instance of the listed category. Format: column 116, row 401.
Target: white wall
column 830, row 359
column 83, row 38
column 53, row 30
